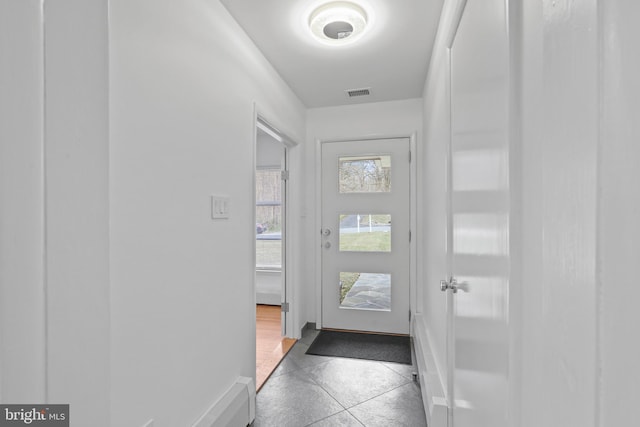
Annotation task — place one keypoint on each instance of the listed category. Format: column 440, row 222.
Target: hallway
column 125, row 294
column 307, row 390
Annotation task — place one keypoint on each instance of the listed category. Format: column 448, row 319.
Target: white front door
column 366, row 235
column 479, row 219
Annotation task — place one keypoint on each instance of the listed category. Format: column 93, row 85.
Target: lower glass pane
column 365, row 291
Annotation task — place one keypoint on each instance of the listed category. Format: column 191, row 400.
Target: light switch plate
column 220, row 207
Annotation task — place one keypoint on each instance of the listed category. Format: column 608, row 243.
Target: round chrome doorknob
column 327, row 245
column 326, row 232
column 450, row 284
column 453, row 285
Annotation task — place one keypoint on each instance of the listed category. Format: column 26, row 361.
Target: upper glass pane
column 365, row 174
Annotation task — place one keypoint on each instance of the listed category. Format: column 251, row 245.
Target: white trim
column 45, row 211
column 431, row 384
column 263, row 120
column 513, row 16
column 236, row 407
column 450, row 35
column 449, row 339
column 254, row 153
column 413, row 225
column 268, row 130
column 316, row 233
column 271, row 122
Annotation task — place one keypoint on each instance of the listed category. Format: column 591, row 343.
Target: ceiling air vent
column 359, row 92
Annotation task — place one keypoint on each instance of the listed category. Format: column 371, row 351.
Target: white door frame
column 291, row 327
column 317, row 240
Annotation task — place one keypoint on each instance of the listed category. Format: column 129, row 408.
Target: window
column 365, row 233
column 365, row 174
column 268, row 219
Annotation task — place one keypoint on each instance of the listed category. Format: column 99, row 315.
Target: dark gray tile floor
column 319, row 391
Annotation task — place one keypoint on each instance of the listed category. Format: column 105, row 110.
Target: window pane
column 268, row 253
column 268, row 219
column 365, row 174
column 365, row 233
column 365, row 291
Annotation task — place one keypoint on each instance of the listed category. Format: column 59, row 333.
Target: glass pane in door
column 365, row 233
column 365, row 174
column 365, row 291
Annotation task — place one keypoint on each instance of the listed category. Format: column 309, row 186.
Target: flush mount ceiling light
column 338, row 22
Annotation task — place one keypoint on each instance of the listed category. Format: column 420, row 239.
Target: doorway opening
column 271, row 176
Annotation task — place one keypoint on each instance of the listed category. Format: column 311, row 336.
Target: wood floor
column 271, row 347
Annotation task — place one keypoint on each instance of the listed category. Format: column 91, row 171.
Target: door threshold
column 365, row 332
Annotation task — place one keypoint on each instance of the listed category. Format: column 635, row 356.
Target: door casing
column 290, row 326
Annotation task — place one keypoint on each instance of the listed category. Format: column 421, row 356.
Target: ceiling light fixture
column 338, row 22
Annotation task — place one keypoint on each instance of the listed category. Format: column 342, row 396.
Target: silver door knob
column 449, row 284
column 327, row 245
column 326, row 232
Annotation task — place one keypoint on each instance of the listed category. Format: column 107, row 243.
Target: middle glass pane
column 365, row 233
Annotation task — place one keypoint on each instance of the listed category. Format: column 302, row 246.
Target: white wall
column 395, row 118
column 559, row 191
column 580, row 155
column 77, row 207
column 55, row 336
column 119, row 294
column 619, row 204
column 183, row 81
column 22, row 298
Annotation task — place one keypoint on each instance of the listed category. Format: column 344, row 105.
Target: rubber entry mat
column 385, row 348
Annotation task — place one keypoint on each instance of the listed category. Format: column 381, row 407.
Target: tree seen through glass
column 365, row 174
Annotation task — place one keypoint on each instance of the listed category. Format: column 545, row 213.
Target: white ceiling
column 391, row 58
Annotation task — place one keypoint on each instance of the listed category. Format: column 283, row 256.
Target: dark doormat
column 385, row 348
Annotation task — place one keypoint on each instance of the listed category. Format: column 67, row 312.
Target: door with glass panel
column 366, row 235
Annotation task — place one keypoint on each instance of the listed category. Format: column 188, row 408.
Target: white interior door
column 366, row 235
column 479, row 216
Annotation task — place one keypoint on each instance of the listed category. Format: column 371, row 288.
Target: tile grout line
column 356, row 417
column 378, row 395
column 408, row 381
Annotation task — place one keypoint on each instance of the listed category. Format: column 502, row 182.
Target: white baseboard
column 433, row 395
column 237, row 408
